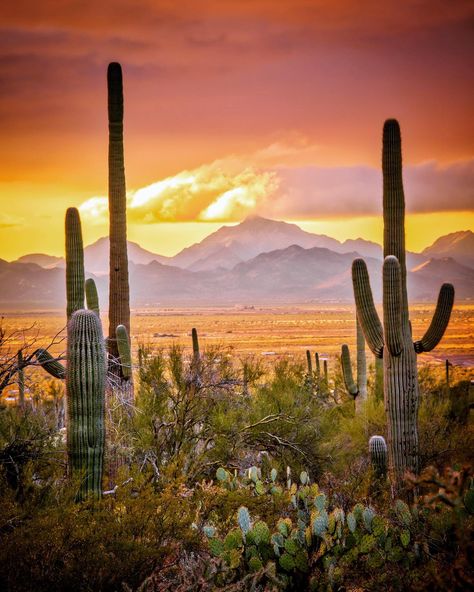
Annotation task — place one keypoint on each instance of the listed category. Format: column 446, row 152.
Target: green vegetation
column 273, row 489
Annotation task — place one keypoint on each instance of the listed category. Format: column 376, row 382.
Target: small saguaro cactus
column 119, row 291
column 393, row 342
column 196, row 354
column 378, row 455
column 74, row 262
column 318, row 366
column 92, row 297
column 309, row 377
column 357, row 390
column 125, row 355
column 85, row 392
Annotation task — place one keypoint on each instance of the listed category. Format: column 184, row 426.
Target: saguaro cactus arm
column 92, row 297
column 74, row 262
column 439, row 322
column 309, row 362
column 366, row 313
column 392, row 303
column 50, row 364
column 347, row 371
column 123, row 344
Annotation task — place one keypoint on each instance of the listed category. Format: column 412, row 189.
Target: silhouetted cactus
column 125, row 355
column 85, row 392
column 393, row 342
column 119, row 293
column 378, row 455
column 74, row 262
column 196, row 354
column 92, row 297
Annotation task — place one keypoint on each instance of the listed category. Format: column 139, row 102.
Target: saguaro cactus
column 196, row 354
column 378, row 455
column 74, row 262
column 125, row 354
column 85, row 392
column 119, row 296
column 359, row 390
column 394, row 342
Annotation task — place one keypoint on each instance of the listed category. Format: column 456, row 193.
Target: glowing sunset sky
column 233, row 108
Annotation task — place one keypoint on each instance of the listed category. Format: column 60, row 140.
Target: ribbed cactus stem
column 50, row 364
column 351, row 386
column 92, row 297
column 326, row 374
column 309, row 362
column 21, row 379
column 125, row 355
column 439, row 322
column 85, row 391
column 74, row 262
column 361, row 363
column 119, row 293
column 378, row 455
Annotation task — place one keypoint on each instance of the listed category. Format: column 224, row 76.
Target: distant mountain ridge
column 227, row 247
column 257, row 261
column 458, row 245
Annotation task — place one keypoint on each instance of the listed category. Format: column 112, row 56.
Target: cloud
column 208, row 193
column 231, row 188
column 314, row 192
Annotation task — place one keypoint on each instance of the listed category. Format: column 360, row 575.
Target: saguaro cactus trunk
column 119, row 297
column 74, row 262
column 394, row 342
column 85, row 392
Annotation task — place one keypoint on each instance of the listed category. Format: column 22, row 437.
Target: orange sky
column 233, row 108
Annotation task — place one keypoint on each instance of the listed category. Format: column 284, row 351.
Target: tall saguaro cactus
column 74, row 262
column 393, row 342
column 119, row 293
column 85, row 391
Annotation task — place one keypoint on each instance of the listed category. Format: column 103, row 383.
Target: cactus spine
column 119, row 297
column 393, row 342
column 74, row 262
column 92, row 297
column 85, row 391
column 378, row 455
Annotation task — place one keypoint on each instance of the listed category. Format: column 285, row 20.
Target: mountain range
column 256, row 261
